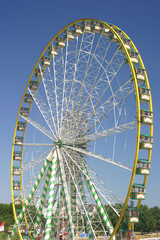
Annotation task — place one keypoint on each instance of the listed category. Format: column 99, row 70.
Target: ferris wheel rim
column 138, row 111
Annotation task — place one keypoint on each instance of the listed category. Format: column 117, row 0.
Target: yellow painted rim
column 112, row 28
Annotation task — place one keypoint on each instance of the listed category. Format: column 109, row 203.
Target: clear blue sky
column 27, row 26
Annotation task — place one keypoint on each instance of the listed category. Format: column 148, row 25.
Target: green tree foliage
column 155, row 212
column 3, row 236
column 147, row 223
column 6, row 216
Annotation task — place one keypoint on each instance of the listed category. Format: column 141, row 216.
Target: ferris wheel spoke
column 98, row 51
column 37, row 160
column 35, row 172
column 99, row 204
column 70, row 101
column 49, row 91
column 108, row 132
column 43, row 110
column 38, row 144
column 74, row 55
column 56, row 79
column 103, row 191
column 65, row 79
column 88, row 153
column 84, row 62
column 111, row 103
column 93, row 107
column 84, row 55
column 39, row 127
column 105, row 75
column 71, row 66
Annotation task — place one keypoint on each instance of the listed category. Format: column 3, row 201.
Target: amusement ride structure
column 83, row 137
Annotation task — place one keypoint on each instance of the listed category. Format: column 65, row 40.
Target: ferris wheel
column 83, row 137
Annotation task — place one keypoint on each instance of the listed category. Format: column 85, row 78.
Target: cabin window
column 133, row 54
column 28, row 98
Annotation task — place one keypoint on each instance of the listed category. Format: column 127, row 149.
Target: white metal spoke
column 39, row 127
column 64, row 62
column 108, row 80
column 110, row 104
column 83, row 60
column 34, row 162
column 107, row 132
column 88, row 153
column 42, row 106
column 74, row 55
column 55, row 77
column 37, row 144
column 107, row 195
column 49, row 91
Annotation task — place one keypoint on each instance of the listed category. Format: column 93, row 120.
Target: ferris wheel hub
column 58, row 143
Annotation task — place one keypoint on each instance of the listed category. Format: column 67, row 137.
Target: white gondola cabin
column 133, row 56
column 140, row 74
column 106, row 32
column 60, row 42
column 143, row 167
column 77, row 30
column 146, row 142
column 146, row 117
column 17, row 155
column 86, row 27
column 28, row 98
column 16, row 170
column 123, row 235
column 96, row 27
column 17, row 200
column 18, row 140
column 45, row 61
column 21, row 126
column 16, row 185
column 24, row 112
column 69, row 35
column 126, row 42
column 131, row 215
column 113, row 37
column 138, row 192
column 52, row 51
column 38, row 72
column 144, row 94
column 33, row 85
